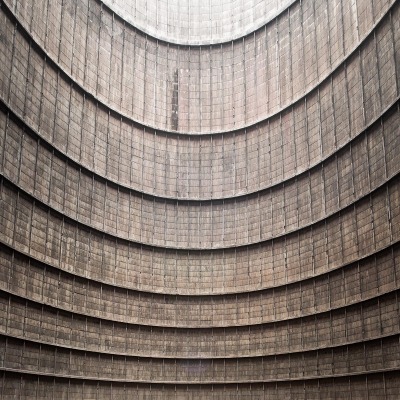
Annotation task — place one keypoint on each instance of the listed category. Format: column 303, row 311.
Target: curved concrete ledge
column 59, row 362
column 363, row 385
column 368, row 320
column 70, row 240
column 344, row 286
column 231, row 165
column 72, row 191
column 234, row 125
column 215, row 221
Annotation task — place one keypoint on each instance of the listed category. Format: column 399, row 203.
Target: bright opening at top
column 198, row 21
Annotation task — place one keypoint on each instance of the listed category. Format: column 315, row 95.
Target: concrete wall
column 206, row 166
column 196, row 88
column 199, row 210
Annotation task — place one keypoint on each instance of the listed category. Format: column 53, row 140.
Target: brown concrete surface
column 199, row 210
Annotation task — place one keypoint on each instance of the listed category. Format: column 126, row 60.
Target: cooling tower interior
column 199, row 199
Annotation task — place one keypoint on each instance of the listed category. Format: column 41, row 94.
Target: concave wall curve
column 223, row 92
column 199, row 200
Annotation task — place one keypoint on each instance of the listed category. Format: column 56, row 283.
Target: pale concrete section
column 202, row 167
column 201, row 89
column 196, row 22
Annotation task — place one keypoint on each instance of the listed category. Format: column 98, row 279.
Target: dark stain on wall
column 174, row 113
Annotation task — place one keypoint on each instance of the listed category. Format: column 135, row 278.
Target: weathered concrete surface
column 156, row 243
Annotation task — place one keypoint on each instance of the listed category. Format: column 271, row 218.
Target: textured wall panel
column 183, row 74
column 199, row 209
column 201, row 167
